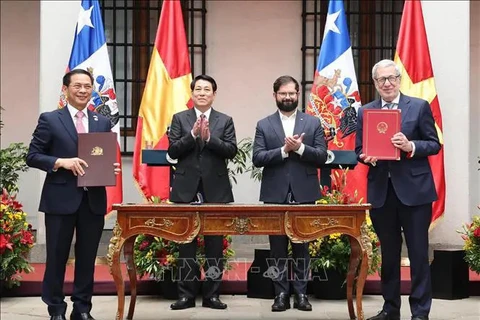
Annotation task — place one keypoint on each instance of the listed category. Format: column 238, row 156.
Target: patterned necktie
column 201, row 143
column 79, row 122
column 388, row 106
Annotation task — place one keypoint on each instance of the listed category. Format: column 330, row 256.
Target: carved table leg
column 366, row 251
column 362, row 276
column 113, row 258
column 132, row 274
column 352, row 272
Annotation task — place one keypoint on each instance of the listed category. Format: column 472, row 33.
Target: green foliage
column 242, row 163
column 333, row 251
column 12, row 161
column 471, row 235
column 153, row 255
column 330, row 252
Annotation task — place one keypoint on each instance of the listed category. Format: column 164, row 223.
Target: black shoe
column 81, row 316
column 383, row 315
column 300, row 301
column 183, row 303
column 420, row 318
column 60, row 317
column 214, row 303
column 281, row 302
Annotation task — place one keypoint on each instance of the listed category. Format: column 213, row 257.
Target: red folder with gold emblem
column 379, row 126
column 99, row 150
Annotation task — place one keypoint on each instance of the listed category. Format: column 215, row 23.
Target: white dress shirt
column 288, row 124
column 206, row 113
column 394, row 102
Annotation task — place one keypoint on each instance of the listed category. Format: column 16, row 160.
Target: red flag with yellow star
column 413, row 59
column 167, row 91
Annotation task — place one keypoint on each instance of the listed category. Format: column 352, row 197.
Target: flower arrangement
column 16, row 240
column 330, row 252
column 471, row 235
column 338, row 195
column 153, row 256
column 333, row 251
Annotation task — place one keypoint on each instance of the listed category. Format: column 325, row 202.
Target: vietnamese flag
column 413, row 59
column 167, row 91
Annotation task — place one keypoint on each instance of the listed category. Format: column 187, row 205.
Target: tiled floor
column 239, row 307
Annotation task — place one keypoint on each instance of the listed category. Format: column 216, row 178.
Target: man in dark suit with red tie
column 202, row 140
column 401, row 193
column 69, row 208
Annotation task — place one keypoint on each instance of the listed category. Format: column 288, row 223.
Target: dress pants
column 389, row 221
column 189, row 273
column 278, row 261
column 59, row 230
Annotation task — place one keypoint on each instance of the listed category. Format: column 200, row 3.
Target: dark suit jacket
column 208, row 163
column 411, row 177
column 300, row 173
column 56, row 137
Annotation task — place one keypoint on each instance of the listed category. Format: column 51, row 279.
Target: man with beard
column 290, row 146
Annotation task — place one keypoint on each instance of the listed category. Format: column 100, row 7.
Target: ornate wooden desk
column 181, row 223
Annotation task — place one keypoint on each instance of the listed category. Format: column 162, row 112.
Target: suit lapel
column 404, row 105
column 92, row 121
column 378, row 104
column 66, row 120
column 191, row 117
column 212, row 122
column 299, row 123
column 277, row 126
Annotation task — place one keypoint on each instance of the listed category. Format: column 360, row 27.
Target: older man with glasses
column 401, row 193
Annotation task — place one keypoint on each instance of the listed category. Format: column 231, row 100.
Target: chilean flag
column 334, row 97
column 89, row 52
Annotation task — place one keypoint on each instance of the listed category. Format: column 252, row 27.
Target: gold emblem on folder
column 97, row 151
column 382, row 127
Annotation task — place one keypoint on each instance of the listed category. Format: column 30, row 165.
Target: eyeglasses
column 285, row 94
column 391, row 79
column 79, row 86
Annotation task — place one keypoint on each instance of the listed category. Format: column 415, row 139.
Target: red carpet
column 234, row 282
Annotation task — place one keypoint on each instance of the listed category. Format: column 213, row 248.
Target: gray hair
column 385, row 63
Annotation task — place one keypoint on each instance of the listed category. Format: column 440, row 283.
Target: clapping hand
column 293, row 143
column 205, row 130
column 196, row 127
